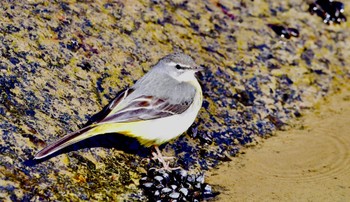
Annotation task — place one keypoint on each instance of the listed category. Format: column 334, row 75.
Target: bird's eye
column 178, row 67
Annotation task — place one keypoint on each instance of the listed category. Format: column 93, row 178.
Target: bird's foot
column 168, row 169
column 161, row 158
column 165, row 160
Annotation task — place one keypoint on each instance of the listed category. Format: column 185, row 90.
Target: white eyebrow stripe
column 182, row 65
column 185, row 66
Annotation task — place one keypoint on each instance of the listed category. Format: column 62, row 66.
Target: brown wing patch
column 144, row 104
column 158, row 101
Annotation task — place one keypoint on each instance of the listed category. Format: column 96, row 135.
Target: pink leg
column 162, row 159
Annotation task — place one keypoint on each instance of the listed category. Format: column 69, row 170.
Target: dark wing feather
column 107, row 109
column 147, row 108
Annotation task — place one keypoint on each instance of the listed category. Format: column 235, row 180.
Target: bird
column 159, row 107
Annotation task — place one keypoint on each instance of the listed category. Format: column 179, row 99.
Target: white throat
column 186, row 76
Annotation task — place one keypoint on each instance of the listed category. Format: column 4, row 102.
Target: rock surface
column 60, row 63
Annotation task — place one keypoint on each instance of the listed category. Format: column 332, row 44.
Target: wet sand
column 310, row 162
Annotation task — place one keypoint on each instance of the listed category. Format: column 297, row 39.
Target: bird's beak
column 199, row 68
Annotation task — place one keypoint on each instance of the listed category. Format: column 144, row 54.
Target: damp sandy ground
column 310, row 162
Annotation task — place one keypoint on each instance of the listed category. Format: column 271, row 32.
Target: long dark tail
column 64, row 142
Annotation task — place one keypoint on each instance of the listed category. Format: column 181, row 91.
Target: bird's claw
column 164, row 160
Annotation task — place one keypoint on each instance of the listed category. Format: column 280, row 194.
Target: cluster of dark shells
column 284, row 32
column 330, row 11
column 175, row 185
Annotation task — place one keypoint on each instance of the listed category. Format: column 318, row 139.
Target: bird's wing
column 146, row 108
column 110, row 108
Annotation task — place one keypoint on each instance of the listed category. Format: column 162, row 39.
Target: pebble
column 184, row 191
column 174, row 195
column 329, row 11
column 176, row 185
column 284, row 32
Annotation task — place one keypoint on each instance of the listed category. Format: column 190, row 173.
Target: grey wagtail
column 159, row 107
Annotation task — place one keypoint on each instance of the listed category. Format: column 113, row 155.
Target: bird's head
column 179, row 66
